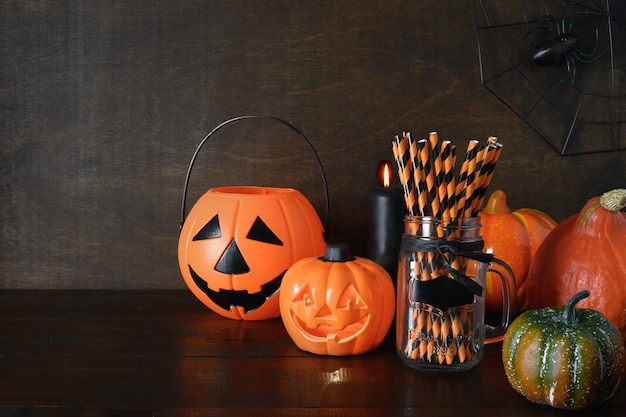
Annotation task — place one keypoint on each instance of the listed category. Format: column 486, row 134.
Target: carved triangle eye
column 262, row 233
column 350, row 300
column 304, row 296
column 211, row 230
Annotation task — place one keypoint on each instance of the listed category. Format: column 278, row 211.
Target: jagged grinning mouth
column 240, row 298
column 325, row 332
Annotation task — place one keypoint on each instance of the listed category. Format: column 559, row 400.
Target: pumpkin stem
column 569, row 313
column 337, row 252
column 614, row 200
column 496, row 203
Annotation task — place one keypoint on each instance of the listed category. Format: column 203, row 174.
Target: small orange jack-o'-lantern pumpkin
column 337, row 304
column 237, row 243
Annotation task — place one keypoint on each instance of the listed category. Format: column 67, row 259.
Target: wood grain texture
column 103, row 104
column 162, row 353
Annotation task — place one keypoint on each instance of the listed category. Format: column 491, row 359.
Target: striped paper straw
column 437, row 156
column 494, row 155
column 482, row 169
column 466, row 176
column 420, row 183
column 401, row 155
column 431, row 207
column 473, row 180
column 417, row 178
column 447, row 187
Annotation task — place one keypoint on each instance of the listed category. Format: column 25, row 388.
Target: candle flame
column 387, row 179
column 384, row 173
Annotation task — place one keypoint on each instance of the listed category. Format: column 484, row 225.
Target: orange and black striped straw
column 486, row 173
column 400, row 148
column 437, row 158
column 466, row 177
column 431, row 204
column 448, row 188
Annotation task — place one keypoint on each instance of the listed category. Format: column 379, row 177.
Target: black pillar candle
column 385, row 222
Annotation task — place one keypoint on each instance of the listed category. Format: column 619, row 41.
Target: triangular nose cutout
column 325, row 312
column 232, row 261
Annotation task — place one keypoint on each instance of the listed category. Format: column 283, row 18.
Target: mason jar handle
column 236, row 119
column 509, row 301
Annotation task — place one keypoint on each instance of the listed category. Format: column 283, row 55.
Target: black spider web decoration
column 577, row 104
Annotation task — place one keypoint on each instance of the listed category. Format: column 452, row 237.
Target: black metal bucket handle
column 236, row 119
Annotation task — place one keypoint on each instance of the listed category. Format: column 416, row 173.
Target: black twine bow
column 453, row 248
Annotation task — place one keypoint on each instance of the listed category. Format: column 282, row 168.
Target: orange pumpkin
column 337, row 304
column 514, row 237
column 237, row 243
column 585, row 251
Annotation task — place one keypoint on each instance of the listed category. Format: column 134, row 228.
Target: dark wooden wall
column 103, row 103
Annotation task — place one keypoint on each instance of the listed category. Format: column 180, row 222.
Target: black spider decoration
column 565, row 45
column 559, row 66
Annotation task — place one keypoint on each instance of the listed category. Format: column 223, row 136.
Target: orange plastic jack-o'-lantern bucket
column 238, row 241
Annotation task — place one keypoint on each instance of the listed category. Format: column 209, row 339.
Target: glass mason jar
column 440, row 314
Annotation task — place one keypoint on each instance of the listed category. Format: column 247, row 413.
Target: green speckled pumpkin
column 564, row 357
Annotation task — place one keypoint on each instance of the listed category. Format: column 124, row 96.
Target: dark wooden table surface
column 162, row 353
